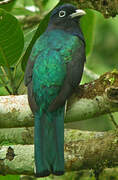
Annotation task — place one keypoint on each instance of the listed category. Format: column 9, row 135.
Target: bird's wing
column 33, row 56
column 28, row 75
column 28, row 72
column 73, row 77
column 28, row 83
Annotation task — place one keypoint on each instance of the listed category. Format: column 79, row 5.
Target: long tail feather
column 49, row 143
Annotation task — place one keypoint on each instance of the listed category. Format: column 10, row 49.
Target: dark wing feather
column 28, row 72
column 72, row 79
column 28, row 83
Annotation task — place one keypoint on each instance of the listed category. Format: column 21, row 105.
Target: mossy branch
column 83, row 150
column 89, row 100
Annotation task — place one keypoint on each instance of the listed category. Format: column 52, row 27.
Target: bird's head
column 66, row 14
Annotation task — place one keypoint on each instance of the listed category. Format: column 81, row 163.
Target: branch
column 23, row 135
column 89, row 100
column 29, row 21
column 6, row 2
column 83, row 150
column 94, row 99
column 107, row 7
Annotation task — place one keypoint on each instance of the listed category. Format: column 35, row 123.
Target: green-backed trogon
column 53, row 71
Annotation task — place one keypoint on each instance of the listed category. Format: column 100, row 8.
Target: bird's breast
column 55, row 50
column 49, row 68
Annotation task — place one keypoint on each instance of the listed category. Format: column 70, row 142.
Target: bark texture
column 82, row 151
column 89, row 100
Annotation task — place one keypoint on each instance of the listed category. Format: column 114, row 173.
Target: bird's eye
column 62, row 13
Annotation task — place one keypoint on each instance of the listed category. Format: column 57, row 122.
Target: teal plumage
column 48, row 89
column 56, row 52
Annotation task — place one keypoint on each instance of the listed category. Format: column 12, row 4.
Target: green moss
column 6, row 143
column 9, row 177
column 115, row 71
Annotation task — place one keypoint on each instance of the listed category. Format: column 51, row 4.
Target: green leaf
column 49, row 5
column 28, row 2
column 10, row 177
column 4, row 84
column 28, row 37
column 11, row 39
column 87, row 24
column 7, row 6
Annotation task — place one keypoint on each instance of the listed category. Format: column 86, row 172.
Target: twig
column 4, row 72
column 3, row 81
column 6, row 2
column 20, row 81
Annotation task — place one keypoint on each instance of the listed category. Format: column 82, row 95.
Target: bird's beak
column 79, row 12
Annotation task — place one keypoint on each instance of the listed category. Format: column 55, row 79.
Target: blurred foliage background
column 102, row 55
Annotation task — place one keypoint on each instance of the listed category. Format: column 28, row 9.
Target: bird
column 53, row 72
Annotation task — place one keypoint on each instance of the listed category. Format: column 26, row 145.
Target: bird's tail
column 49, row 143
